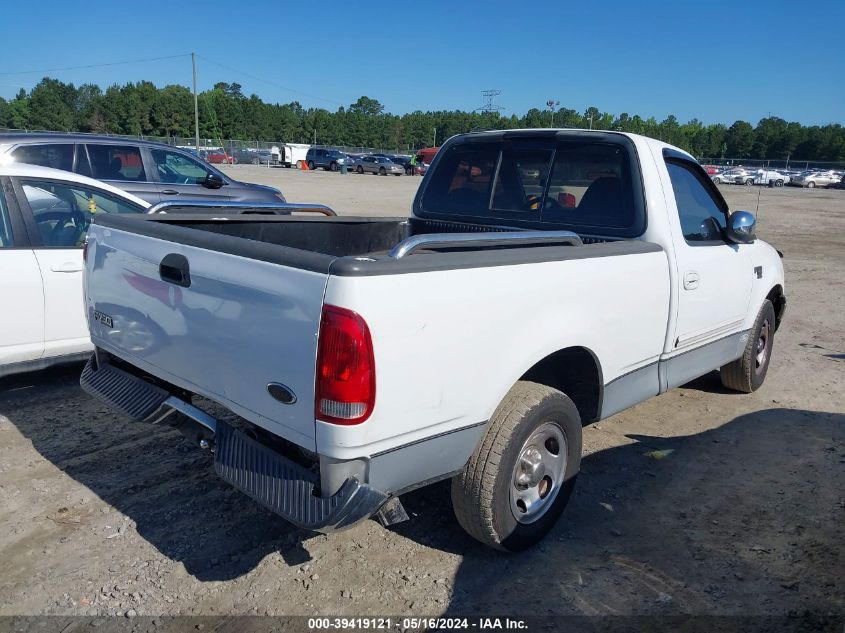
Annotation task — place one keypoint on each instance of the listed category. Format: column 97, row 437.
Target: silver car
column 812, row 179
column 378, row 165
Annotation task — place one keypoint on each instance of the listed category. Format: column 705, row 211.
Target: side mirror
column 213, row 181
column 741, row 225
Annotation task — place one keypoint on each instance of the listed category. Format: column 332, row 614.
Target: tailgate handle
column 175, row 269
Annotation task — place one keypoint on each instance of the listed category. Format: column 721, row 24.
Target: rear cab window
column 568, row 182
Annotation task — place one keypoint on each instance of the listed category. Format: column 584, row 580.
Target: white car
column 763, row 177
column 44, row 217
column 532, row 291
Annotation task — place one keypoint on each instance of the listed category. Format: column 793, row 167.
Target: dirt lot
column 745, row 516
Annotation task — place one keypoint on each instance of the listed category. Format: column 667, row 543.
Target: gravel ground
column 745, row 515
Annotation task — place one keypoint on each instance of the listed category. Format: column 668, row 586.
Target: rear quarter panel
column 449, row 345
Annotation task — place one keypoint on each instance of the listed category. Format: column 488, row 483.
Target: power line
column 128, row 61
column 267, row 81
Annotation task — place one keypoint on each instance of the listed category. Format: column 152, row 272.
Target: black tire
column 359, row 169
column 333, row 167
column 382, row 171
column 716, row 181
column 311, row 165
column 481, row 493
column 778, row 183
column 747, row 373
column 811, row 185
column 749, row 182
column 397, row 174
column 256, row 161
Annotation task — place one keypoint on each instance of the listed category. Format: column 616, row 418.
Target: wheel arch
column 778, row 300
column 577, row 372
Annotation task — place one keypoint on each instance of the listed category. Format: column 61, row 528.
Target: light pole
column 590, row 117
column 552, row 104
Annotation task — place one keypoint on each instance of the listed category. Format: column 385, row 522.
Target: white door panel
column 714, row 293
column 22, row 315
column 65, row 328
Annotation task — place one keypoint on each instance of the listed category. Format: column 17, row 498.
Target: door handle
column 175, row 269
column 170, row 192
column 67, row 267
column 690, row 280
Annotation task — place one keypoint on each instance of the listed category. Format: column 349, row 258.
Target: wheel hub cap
column 538, row 473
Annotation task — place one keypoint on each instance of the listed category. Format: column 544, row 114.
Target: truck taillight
column 346, row 370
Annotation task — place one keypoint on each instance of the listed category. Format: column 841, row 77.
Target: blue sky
column 715, row 61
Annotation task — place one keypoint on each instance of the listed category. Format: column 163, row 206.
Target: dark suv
column 328, row 159
column 154, row 172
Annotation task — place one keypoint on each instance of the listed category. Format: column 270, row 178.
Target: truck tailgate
column 232, row 326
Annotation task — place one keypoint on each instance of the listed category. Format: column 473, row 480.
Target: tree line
column 226, row 113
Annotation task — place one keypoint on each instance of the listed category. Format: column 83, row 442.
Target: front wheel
column 359, row 169
column 748, row 372
column 311, row 165
column 778, row 183
column 382, row 171
column 811, row 185
column 333, row 167
column 749, row 182
column 521, row 475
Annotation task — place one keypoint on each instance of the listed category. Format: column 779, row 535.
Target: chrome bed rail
column 457, row 240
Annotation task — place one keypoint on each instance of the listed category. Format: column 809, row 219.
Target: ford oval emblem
column 281, row 393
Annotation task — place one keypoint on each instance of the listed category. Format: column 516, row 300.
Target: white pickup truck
column 546, row 279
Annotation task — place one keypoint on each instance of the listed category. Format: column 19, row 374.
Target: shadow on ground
column 746, row 516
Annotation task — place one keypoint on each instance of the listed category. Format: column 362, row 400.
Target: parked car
column 44, row 217
column 254, row 157
column 815, row 178
column 218, row 157
column 328, row 159
column 729, row 176
column 378, row 165
column 763, row 177
column 151, row 171
column 365, row 357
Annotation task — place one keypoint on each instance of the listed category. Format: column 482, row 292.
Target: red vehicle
column 427, row 155
column 220, row 156
column 712, row 169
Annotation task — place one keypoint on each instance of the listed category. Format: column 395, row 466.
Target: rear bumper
column 278, row 483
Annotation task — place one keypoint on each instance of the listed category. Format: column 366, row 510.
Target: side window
column 63, row 211
column 177, row 169
column 116, row 162
column 55, row 155
column 5, row 225
column 702, row 218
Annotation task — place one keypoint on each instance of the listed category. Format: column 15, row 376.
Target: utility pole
column 590, row 117
column 196, row 107
column 552, row 104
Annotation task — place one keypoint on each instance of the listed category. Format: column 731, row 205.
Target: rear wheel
column 748, row 372
column 359, row 169
column 749, row 182
column 517, row 483
column 311, row 165
column 256, row 161
column 811, row 185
